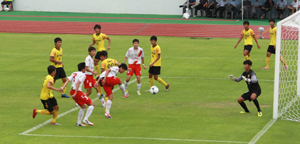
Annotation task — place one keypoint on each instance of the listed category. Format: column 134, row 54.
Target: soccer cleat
column 102, row 101
column 88, row 122
column 64, row 96
column 34, row 113
column 138, row 92
column 77, row 124
column 265, row 68
column 167, row 87
column 243, row 112
column 108, row 115
column 55, row 123
column 285, row 67
column 259, row 114
column 126, row 95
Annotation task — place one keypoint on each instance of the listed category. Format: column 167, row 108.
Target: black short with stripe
column 49, row 104
column 60, row 73
column 271, row 49
column 155, row 70
column 248, row 47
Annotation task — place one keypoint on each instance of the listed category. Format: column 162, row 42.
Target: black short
column 248, row 47
column 271, row 49
column 155, row 70
column 98, row 55
column 6, row 2
column 60, row 73
column 247, row 95
column 49, row 104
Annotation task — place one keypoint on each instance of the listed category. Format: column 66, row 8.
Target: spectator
column 280, row 7
column 255, row 7
column 246, row 6
column 201, row 5
column 189, row 5
column 6, row 2
column 211, row 4
column 294, row 6
column 234, row 6
column 220, row 7
column 266, row 7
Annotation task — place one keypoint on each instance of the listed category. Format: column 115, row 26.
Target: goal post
column 286, row 102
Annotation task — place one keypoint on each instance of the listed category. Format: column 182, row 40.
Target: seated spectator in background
column 201, row 5
column 220, row 7
column 280, row 7
column 234, row 6
column 211, row 4
column 293, row 7
column 6, row 2
column 255, row 7
column 246, row 5
column 266, row 7
column 189, row 5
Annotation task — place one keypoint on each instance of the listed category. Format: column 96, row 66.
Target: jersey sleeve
column 82, row 77
column 87, row 62
column 104, row 36
column 93, row 38
column 252, row 32
column 142, row 55
column 103, row 65
column 239, row 78
column 114, row 70
column 254, row 78
column 115, row 61
column 242, row 33
column 71, row 77
column 127, row 54
column 158, row 50
column 53, row 53
column 50, row 80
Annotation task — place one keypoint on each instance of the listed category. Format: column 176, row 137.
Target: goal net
column 287, row 82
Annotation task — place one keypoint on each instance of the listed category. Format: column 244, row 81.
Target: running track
column 141, row 29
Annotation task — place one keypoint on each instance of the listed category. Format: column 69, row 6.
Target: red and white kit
column 80, row 97
column 134, row 61
column 90, row 80
column 111, row 80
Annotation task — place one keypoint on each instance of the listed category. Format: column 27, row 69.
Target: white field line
column 208, row 78
column 133, row 138
column 63, row 114
column 263, row 131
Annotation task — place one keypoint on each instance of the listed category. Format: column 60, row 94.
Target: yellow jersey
column 108, row 63
column 273, row 36
column 99, row 41
column 155, row 51
column 57, row 55
column 248, row 36
column 47, row 93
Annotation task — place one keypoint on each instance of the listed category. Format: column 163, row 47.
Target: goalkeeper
column 254, row 89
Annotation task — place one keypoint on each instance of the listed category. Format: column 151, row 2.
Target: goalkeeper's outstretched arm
column 238, row 79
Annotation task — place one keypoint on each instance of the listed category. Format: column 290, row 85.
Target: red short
column 89, row 81
column 110, row 82
column 135, row 68
column 81, row 98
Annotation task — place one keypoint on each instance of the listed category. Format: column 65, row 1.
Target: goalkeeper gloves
column 246, row 79
column 232, row 77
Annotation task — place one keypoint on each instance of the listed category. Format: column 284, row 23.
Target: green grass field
column 200, row 107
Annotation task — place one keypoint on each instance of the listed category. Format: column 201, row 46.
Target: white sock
column 126, row 85
column 122, row 88
column 139, row 86
column 108, row 106
column 89, row 112
column 98, row 95
column 80, row 115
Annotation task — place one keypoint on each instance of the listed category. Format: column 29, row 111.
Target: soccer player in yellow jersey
column 248, row 36
column 47, row 98
column 56, row 60
column 98, row 39
column 155, row 63
column 272, row 46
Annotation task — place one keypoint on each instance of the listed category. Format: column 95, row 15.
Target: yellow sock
column 151, row 82
column 64, row 89
column 99, row 89
column 98, row 69
column 162, row 81
column 55, row 116
column 246, row 57
column 268, row 62
column 282, row 60
column 44, row 112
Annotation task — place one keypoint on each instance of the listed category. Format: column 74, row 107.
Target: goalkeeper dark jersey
column 252, row 86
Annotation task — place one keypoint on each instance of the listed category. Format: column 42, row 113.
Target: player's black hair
column 246, row 22
column 81, row 66
column 153, row 38
column 273, row 20
column 249, row 62
column 91, row 48
column 51, row 69
column 135, row 40
column 57, row 39
column 97, row 27
column 123, row 66
column 103, row 53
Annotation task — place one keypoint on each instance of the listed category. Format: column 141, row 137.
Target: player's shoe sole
column 259, row 114
column 80, row 125
column 64, row 96
column 34, row 113
column 243, row 112
column 138, row 93
column 108, row 115
column 88, row 122
column 265, row 68
column 167, row 87
column 55, row 124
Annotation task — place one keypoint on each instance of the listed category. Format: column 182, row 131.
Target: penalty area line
column 63, row 114
column 263, row 131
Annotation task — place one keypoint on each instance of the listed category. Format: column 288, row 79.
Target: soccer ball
column 186, row 16
column 261, row 29
column 154, row 90
column 6, row 9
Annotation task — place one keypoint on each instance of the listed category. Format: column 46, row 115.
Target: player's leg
column 283, row 61
column 89, row 111
column 150, row 77
column 127, row 81
column 108, row 105
column 45, row 111
column 55, row 113
column 254, row 99
column 121, row 86
column 129, row 75
column 160, row 80
column 80, row 115
column 96, row 61
column 138, row 85
column 247, row 50
column 268, row 59
column 62, row 75
column 241, row 100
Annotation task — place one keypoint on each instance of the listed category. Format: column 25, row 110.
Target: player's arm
column 87, row 69
column 158, row 57
column 238, row 41
column 52, row 55
column 143, row 62
column 49, row 86
column 93, row 42
column 109, row 42
column 117, row 63
column 103, row 65
column 125, row 58
column 256, row 41
column 65, row 84
column 106, row 74
column 76, row 89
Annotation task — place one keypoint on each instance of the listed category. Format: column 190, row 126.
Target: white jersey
column 134, row 56
column 89, row 62
column 113, row 72
column 75, row 77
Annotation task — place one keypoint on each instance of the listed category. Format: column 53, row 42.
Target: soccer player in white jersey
column 135, row 57
column 89, row 72
column 77, row 79
column 108, row 80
